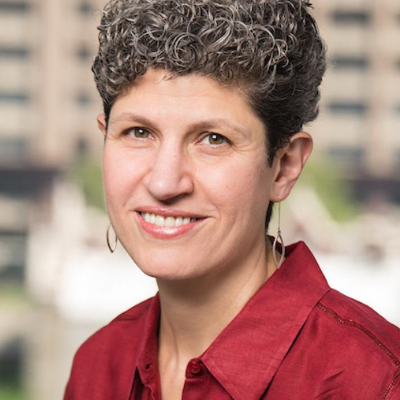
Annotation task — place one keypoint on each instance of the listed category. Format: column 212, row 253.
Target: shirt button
column 195, row 367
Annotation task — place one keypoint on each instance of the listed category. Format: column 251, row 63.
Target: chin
column 166, row 267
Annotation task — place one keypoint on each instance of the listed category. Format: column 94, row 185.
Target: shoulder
column 345, row 350
column 120, row 329
column 363, row 343
column 355, row 319
column 106, row 360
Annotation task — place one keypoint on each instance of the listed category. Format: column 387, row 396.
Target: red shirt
column 296, row 339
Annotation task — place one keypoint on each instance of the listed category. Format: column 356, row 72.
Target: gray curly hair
column 270, row 48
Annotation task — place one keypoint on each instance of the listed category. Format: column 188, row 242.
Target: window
column 85, row 9
column 82, row 147
column 14, row 6
column 12, row 256
column 14, row 97
column 348, row 107
column 84, row 53
column 351, row 17
column 12, row 356
column 14, row 150
column 83, row 98
column 346, row 155
column 14, row 52
column 360, row 63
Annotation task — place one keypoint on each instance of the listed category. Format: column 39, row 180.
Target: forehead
column 159, row 94
column 187, row 85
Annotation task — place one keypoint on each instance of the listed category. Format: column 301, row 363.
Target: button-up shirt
column 296, row 339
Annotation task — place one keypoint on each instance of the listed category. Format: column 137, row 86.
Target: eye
column 138, row 133
column 215, row 139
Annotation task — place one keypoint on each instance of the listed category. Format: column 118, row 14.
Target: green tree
column 335, row 192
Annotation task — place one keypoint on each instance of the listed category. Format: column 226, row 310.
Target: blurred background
column 58, row 282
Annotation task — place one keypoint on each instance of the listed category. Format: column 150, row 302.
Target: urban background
column 58, row 282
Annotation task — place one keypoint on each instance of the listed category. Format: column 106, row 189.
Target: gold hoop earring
column 278, row 236
column 111, row 248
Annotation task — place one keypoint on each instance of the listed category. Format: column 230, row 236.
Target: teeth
column 169, row 222
column 160, row 220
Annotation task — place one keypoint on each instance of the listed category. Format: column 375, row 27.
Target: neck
column 194, row 312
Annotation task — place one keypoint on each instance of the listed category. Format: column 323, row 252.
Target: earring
column 111, row 248
column 278, row 236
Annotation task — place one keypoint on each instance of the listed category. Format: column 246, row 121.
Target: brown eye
column 215, row 139
column 139, row 133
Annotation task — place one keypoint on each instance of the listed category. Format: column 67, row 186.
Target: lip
column 166, row 212
column 164, row 232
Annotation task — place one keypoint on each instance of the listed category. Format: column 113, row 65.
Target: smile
column 169, row 221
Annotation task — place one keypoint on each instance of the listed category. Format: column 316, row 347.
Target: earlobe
column 290, row 161
column 101, row 123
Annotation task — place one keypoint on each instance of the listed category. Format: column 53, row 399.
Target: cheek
column 241, row 186
column 119, row 177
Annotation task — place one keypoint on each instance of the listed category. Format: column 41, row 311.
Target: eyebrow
column 208, row 124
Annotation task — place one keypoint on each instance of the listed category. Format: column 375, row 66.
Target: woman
column 204, row 104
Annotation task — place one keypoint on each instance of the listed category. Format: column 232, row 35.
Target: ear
column 101, row 123
column 289, row 163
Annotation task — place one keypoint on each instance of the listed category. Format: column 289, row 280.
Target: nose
column 169, row 175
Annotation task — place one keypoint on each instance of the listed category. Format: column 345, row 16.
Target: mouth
column 168, row 224
column 166, row 221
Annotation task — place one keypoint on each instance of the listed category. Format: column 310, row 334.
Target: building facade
column 48, row 105
column 359, row 125
column 47, row 110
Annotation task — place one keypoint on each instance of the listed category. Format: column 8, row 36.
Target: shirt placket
column 146, row 385
column 197, row 381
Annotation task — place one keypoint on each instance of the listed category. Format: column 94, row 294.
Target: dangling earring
column 278, row 236
column 111, row 248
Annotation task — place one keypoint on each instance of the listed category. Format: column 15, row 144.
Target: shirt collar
column 246, row 355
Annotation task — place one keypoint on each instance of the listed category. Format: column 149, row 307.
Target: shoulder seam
column 124, row 318
column 392, row 386
column 349, row 322
column 134, row 313
column 353, row 324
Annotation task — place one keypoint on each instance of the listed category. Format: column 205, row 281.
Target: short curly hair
column 270, row 48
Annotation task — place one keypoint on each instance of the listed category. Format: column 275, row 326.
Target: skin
column 188, row 145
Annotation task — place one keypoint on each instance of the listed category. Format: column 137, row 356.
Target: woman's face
column 187, row 180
